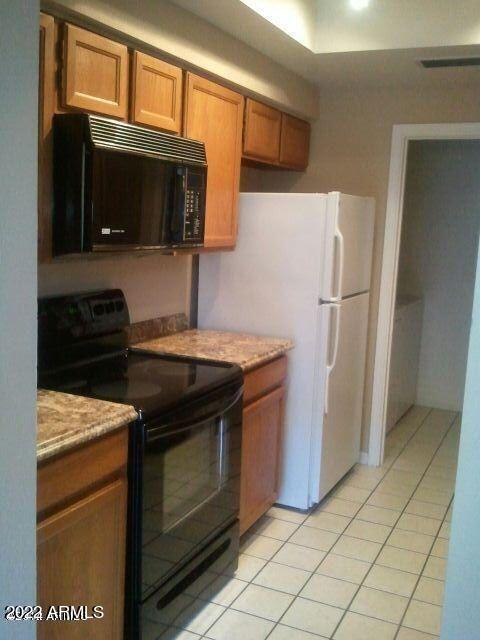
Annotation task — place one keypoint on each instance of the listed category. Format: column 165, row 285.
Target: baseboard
column 363, row 459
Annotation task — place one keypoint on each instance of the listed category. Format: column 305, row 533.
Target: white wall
column 460, row 613
column 350, row 152
column 154, row 285
column 437, row 260
column 18, row 262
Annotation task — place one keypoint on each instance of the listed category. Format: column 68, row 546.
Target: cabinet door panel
column 294, row 142
column 261, row 436
column 95, row 73
column 262, row 132
column 81, row 561
column 156, row 93
column 46, row 106
column 214, row 115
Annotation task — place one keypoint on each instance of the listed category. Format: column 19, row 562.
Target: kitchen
column 167, row 288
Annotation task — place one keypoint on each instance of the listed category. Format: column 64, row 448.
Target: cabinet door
column 156, row 93
column 46, row 106
column 261, row 437
column 294, row 142
column 261, row 140
column 214, row 115
column 95, row 73
column 81, row 561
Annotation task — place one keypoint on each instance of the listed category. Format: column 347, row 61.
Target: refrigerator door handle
column 331, row 365
column 339, row 263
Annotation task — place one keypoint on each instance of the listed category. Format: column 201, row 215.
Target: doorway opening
column 422, row 268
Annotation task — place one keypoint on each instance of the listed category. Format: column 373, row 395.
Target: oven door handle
column 170, row 428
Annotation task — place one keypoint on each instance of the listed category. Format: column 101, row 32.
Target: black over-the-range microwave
column 121, row 187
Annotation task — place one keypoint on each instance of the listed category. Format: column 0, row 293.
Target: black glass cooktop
column 153, row 384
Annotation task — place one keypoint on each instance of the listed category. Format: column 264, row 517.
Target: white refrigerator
column 301, row 270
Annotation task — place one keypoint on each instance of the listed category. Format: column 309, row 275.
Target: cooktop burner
column 127, row 390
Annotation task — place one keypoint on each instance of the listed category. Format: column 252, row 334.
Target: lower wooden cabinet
column 81, row 546
column 261, row 440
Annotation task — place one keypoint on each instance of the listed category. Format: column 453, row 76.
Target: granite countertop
column 248, row 351
column 65, row 421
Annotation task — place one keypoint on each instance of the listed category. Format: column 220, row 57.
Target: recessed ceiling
column 329, row 43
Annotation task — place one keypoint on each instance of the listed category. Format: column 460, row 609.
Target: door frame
column 401, row 137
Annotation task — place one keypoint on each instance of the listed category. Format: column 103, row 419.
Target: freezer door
column 343, row 389
column 348, row 246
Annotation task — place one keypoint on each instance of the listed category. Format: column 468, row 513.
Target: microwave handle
column 178, row 219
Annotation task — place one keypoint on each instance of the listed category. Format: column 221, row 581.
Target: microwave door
column 156, row 198
column 116, row 200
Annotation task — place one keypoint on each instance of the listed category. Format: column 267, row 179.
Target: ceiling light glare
column 358, row 5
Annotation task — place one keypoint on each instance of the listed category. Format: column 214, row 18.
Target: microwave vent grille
column 120, row 136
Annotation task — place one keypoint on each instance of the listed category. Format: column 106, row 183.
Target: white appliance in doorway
column 301, row 269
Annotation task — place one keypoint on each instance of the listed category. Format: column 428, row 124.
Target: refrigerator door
column 348, row 246
column 343, row 392
column 269, row 286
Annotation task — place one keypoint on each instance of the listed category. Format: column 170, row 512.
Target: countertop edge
column 66, row 441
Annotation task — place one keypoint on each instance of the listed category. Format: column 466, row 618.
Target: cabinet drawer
column 95, row 73
column 156, row 93
column 74, row 472
column 260, row 381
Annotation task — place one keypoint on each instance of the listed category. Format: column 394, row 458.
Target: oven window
column 190, row 492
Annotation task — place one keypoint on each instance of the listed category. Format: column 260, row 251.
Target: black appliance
column 122, row 187
column 185, row 449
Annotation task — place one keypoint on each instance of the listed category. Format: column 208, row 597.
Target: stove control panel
column 64, row 320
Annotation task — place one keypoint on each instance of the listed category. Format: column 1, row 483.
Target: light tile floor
column 367, row 564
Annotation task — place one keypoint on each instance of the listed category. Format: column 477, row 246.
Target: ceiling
column 330, row 44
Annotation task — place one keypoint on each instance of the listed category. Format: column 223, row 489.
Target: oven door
column 190, row 484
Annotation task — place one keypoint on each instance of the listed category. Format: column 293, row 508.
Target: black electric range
column 184, row 452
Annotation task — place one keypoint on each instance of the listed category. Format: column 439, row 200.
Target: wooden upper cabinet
column 156, row 93
column 261, row 136
column 46, row 107
column 95, row 73
column 294, row 142
column 214, row 115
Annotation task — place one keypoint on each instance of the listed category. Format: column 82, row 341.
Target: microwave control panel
column 194, row 205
